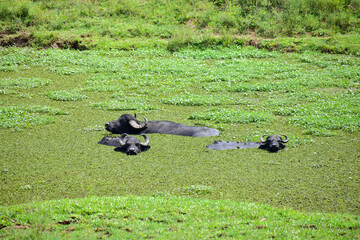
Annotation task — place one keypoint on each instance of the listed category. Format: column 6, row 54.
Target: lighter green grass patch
column 200, row 100
column 8, row 69
column 6, row 92
column 23, row 82
column 329, row 112
column 128, row 103
column 26, row 116
column 225, row 53
column 65, row 95
column 67, row 70
column 306, row 81
column 319, row 132
column 105, row 83
column 233, row 116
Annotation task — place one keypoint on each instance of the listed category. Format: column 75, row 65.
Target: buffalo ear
column 144, row 148
column 263, row 146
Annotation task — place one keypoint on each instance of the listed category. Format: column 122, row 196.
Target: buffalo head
column 273, row 143
column 131, row 145
column 127, row 144
column 126, row 124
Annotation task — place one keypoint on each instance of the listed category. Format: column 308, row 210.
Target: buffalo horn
column 147, row 141
column 262, row 138
column 121, row 139
column 286, row 139
column 136, row 125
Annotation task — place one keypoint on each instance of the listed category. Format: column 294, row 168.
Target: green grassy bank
column 327, row 25
column 168, row 217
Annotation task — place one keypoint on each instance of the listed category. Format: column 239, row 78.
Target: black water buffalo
column 127, row 144
column 273, row 143
column 129, row 124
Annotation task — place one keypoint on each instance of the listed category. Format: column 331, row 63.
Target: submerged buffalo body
column 272, row 143
column 129, row 124
column 223, row 145
column 127, row 144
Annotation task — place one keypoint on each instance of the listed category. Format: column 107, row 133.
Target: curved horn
column 121, row 139
column 286, row 139
column 135, row 124
column 147, row 141
column 262, row 138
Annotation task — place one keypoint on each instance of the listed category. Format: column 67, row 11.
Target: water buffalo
column 129, row 124
column 127, row 144
column 273, row 143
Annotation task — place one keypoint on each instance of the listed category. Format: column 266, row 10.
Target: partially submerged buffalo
column 223, row 145
column 127, row 144
column 129, row 124
column 272, row 143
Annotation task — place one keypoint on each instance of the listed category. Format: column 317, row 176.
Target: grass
column 123, row 103
column 232, row 116
column 23, row 83
column 27, row 116
column 64, row 95
column 198, row 100
column 168, row 217
column 311, row 97
column 294, row 26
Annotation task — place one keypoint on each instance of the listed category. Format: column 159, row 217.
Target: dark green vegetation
column 173, row 24
column 168, row 217
column 50, row 125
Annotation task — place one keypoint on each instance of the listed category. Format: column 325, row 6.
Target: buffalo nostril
column 131, row 152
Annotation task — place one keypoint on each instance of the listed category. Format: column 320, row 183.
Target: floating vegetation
column 108, row 83
column 129, row 103
column 65, row 95
column 233, row 116
column 23, row 82
column 200, row 100
column 26, row 116
column 327, row 112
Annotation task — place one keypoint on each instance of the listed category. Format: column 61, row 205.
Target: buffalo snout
column 274, row 147
column 132, row 151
